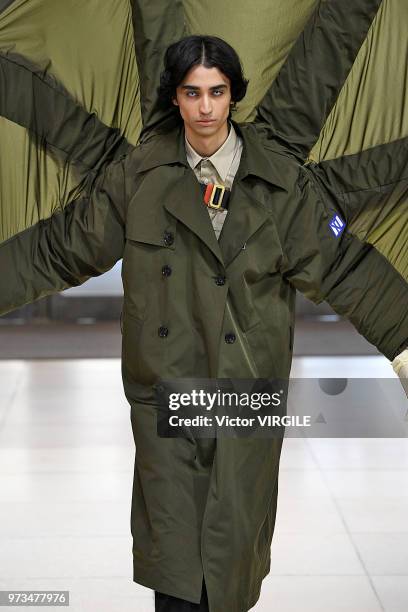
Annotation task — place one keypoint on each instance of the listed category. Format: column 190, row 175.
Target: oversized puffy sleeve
column 83, row 239
column 70, row 122
column 338, row 106
column 325, row 261
column 69, row 119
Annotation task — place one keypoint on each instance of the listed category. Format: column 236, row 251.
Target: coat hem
column 154, row 584
column 254, row 599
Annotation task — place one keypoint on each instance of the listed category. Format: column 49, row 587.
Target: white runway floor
column 66, row 469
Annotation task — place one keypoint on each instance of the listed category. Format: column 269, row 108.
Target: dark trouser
column 167, row 603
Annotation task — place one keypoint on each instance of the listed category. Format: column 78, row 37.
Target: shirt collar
column 221, row 159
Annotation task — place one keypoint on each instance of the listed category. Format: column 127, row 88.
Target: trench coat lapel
column 184, row 202
column 183, row 197
column 246, row 213
column 245, row 216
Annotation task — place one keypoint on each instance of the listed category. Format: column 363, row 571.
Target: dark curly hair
column 208, row 51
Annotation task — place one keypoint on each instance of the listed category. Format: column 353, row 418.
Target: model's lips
column 206, row 121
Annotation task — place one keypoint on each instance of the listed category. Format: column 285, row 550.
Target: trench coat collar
column 246, row 214
column 170, row 149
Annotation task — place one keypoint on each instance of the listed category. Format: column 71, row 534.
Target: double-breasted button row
column 220, row 280
column 166, row 270
column 163, row 331
column 168, row 238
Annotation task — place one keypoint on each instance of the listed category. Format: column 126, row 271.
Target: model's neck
column 207, row 145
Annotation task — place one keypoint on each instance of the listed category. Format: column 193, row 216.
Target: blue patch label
column 337, row 225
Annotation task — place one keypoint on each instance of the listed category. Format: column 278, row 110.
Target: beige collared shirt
column 221, row 167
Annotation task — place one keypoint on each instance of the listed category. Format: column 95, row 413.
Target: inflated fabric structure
column 69, row 95
column 327, row 88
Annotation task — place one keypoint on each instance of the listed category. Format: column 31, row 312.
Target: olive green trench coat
column 207, row 507
column 195, row 511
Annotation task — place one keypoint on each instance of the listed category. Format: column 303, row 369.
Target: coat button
column 230, row 338
column 220, row 280
column 163, row 331
column 168, row 238
column 166, row 270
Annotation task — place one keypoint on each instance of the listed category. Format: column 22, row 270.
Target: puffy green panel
column 372, row 107
column 33, row 100
column 5, row 4
column 31, row 176
column 156, row 25
column 86, row 46
column 391, row 237
column 371, row 188
column 262, row 33
column 88, row 49
column 302, row 96
column 386, row 226
column 66, row 44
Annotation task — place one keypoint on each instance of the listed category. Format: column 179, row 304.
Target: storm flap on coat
column 329, row 136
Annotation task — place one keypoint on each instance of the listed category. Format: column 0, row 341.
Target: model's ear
column 175, row 102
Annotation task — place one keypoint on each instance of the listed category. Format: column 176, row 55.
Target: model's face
column 204, row 98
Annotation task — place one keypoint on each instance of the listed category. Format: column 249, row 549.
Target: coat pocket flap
column 144, row 226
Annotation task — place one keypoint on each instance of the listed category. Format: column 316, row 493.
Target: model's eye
column 218, row 92
column 191, row 94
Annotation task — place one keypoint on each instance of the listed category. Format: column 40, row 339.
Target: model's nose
column 205, row 106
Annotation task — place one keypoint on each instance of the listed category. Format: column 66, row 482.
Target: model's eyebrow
column 195, row 88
